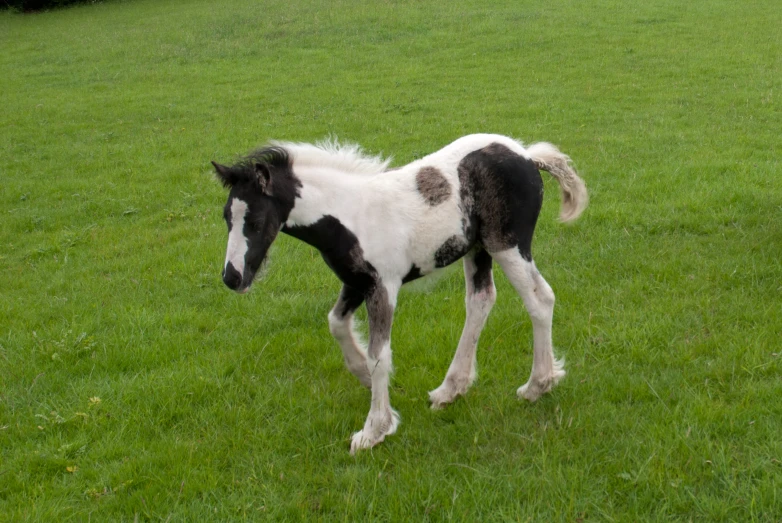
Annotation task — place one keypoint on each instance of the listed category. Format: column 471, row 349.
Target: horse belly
column 439, row 238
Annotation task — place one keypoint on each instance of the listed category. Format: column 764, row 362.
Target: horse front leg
column 382, row 420
column 341, row 327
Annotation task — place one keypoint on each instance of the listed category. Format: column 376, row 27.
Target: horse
column 477, row 199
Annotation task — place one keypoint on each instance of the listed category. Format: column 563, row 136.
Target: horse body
column 401, row 218
column 477, row 199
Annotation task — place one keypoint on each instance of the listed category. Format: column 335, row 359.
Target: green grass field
column 135, row 386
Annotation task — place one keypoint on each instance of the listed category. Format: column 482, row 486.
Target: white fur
column 382, row 420
column 462, row 372
column 574, row 193
column 539, row 300
column 237, row 243
column 346, row 158
column 353, row 350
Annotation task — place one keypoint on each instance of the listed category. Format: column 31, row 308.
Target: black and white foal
column 476, row 199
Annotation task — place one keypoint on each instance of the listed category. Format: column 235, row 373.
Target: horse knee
column 541, row 307
column 337, row 324
column 481, row 303
column 483, row 298
column 545, row 296
column 543, row 291
column 380, row 360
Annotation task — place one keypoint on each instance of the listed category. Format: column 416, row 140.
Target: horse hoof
column 440, row 397
column 360, row 441
column 368, row 438
column 529, row 391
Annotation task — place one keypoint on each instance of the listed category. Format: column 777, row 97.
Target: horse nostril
column 231, row 277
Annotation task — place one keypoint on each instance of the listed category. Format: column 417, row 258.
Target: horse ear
column 223, row 174
column 264, row 177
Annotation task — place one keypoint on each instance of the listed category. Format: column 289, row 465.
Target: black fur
column 349, row 300
column 482, row 278
column 380, row 314
column 276, row 158
column 231, row 277
column 341, row 251
column 343, row 254
column 502, row 193
column 413, row 274
column 452, row 250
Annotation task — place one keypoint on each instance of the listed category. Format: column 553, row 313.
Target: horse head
column 262, row 189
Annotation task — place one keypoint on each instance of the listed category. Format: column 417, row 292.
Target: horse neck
column 322, row 191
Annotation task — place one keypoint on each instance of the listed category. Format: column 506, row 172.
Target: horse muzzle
column 233, row 279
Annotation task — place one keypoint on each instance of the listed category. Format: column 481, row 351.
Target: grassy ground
column 133, row 385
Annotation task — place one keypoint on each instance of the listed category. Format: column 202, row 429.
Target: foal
column 477, row 199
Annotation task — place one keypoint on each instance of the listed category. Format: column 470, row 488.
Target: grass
column 133, row 385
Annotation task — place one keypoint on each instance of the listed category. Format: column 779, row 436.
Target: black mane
column 245, row 170
column 271, row 155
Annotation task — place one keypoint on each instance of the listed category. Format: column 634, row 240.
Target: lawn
column 135, row 386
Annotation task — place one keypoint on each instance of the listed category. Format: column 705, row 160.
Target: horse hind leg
column 480, row 298
column 539, row 300
column 341, row 327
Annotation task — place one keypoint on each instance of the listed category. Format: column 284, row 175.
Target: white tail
column 574, row 194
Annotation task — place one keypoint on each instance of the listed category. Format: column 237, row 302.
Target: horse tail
column 574, row 194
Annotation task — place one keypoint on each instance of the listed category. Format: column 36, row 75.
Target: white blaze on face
column 237, row 243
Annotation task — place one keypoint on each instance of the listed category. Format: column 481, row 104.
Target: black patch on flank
column 482, row 277
column 413, row 274
column 340, row 250
column 453, row 249
column 432, row 185
column 501, row 193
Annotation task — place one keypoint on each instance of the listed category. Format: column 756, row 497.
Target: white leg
column 479, row 300
column 341, row 327
column 539, row 301
column 382, row 420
